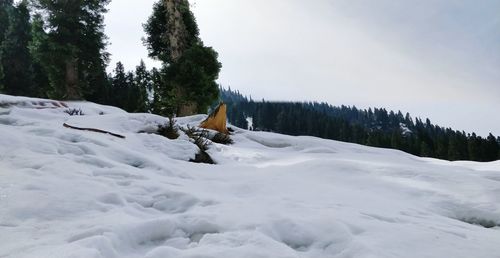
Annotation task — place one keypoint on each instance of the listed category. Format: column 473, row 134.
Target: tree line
column 373, row 127
column 57, row 49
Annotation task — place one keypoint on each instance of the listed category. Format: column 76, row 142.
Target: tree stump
column 217, row 120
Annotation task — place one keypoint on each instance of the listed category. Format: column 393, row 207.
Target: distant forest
column 373, row 127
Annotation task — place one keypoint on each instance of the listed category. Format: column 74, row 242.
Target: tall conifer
column 73, row 52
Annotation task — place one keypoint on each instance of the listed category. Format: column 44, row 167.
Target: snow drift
column 69, row 193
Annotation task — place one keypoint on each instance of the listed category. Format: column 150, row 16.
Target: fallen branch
column 93, row 130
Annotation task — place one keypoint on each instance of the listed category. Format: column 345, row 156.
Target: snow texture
column 80, row 194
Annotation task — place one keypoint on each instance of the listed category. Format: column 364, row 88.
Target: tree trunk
column 184, row 107
column 178, row 41
column 177, row 35
column 71, row 80
column 187, row 109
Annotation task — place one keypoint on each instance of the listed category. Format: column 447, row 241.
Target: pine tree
column 132, row 98
column 396, row 139
column 6, row 7
column 37, row 46
column 491, row 148
column 119, row 87
column 190, row 69
column 73, row 51
column 196, row 71
column 453, row 150
column 425, row 151
column 473, row 147
column 17, row 61
column 157, row 83
column 144, row 86
column 164, row 100
column 498, row 144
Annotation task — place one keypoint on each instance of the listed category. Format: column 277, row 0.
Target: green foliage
column 119, row 87
column 2, row 75
column 128, row 90
column 196, row 71
column 143, row 86
column 5, row 8
column 16, row 60
column 157, row 31
column 51, row 61
column 74, row 44
column 59, row 52
column 164, row 101
column 222, row 138
column 191, row 78
column 39, row 49
column 425, row 150
column 200, row 137
column 169, row 130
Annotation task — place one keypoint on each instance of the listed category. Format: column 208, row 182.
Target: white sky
column 434, row 58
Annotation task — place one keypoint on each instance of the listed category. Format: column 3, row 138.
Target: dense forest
column 374, row 127
column 57, row 49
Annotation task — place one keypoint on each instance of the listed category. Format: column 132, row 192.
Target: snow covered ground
column 69, row 193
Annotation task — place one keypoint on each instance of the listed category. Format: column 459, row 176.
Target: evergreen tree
column 491, row 148
column 164, row 100
column 473, row 146
column 119, row 87
column 39, row 45
column 425, row 150
column 453, row 150
column 157, row 83
column 190, row 69
column 498, row 144
column 5, row 8
column 17, row 63
column 73, row 50
column 128, row 90
column 132, row 98
column 396, row 139
column 196, row 71
column 144, row 88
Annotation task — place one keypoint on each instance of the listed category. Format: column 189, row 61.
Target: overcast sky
column 433, row 58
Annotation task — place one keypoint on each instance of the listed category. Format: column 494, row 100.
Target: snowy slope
column 69, row 193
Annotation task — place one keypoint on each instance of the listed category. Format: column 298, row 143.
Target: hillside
column 375, row 127
column 70, row 193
